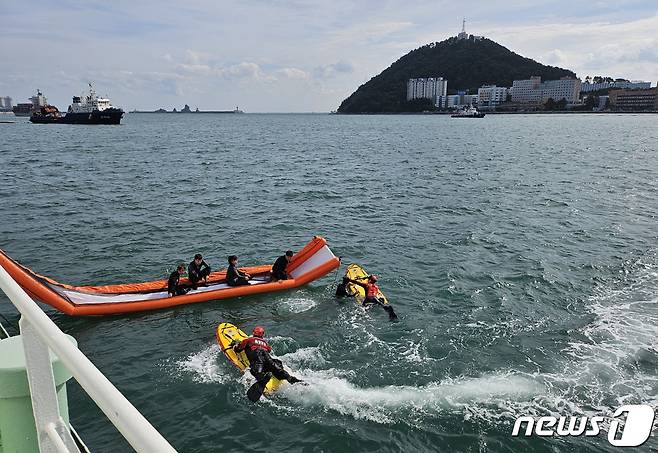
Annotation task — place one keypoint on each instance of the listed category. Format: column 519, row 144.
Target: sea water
column 520, row 252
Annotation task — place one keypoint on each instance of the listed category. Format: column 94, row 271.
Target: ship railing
column 40, row 335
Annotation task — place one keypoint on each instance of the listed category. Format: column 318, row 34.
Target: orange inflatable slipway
column 312, row 262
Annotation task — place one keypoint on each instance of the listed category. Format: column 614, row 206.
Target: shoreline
column 510, row 113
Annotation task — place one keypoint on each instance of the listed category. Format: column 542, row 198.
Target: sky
column 291, row 55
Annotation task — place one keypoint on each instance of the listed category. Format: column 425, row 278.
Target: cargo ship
column 85, row 109
column 26, row 109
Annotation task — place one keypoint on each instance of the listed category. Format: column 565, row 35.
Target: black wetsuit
column 234, row 277
column 279, row 268
column 196, row 273
column 261, row 363
column 341, row 288
column 173, row 285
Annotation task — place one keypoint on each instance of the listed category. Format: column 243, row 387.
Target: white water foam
column 204, row 366
column 298, row 304
column 304, row 357
column 605, row 366
column 391, row 404
column 608, row 365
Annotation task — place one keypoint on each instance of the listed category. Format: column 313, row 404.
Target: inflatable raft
column 312, row 262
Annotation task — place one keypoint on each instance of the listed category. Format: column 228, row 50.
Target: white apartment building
column 426, row 88
column 565, row 88
column 491, row 95
column 634, row 85
column 526, row 90
column 533, row 91
column 6, row 102
column 455, row 101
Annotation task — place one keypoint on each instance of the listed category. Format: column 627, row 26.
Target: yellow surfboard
column 356, row 272
column 226, row 334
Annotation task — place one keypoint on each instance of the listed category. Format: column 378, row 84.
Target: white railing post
column 139, row 433
column 43, row 394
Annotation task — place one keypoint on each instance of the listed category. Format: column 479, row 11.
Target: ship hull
column 476, row 115
column 108, row 116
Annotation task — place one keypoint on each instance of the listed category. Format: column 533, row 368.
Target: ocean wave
column 611, row 361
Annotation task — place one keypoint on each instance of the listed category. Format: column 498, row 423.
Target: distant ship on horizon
column 187, row 109
column 26, row 109
column 85, row 109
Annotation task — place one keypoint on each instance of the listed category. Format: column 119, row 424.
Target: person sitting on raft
column 198, row 270
column 234, row 276
column 174, row 287
column 261, row 363
column 279, row 268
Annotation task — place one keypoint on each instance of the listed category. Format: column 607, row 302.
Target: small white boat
column 468, row 112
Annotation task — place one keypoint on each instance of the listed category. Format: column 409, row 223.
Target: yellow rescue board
column 356, row 272
column 226, row 334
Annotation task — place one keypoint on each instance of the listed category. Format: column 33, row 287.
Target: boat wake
column 329, row 391
column 611, row 361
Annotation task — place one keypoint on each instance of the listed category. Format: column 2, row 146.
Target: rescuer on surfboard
column 372, row 291
column 261, row 363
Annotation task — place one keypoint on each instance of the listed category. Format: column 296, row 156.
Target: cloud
column 619, row 49
column 293, row 73
column 196, row 57
column 194, row 69
column 199, row 64
column 216, row 54
column 368, row 32
column 331, row 70
column 243, row 70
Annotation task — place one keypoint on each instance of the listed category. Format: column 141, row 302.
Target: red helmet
column 258, row 331
column 373, row 278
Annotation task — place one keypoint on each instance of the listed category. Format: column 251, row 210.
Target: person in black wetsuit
column 198, row 270
column 279, row 268
column 261, row 363
column 173, row 284
column 234, row 276
column 341, row 288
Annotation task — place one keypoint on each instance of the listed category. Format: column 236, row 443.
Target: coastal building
column 534, row 91
column 527, row 90
column 566, row 88
column 633, row 100
column 603, row 103
column 456, row 101
column 633, row 85
column 426, row 88
column 491, row 96
column 6, row 103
